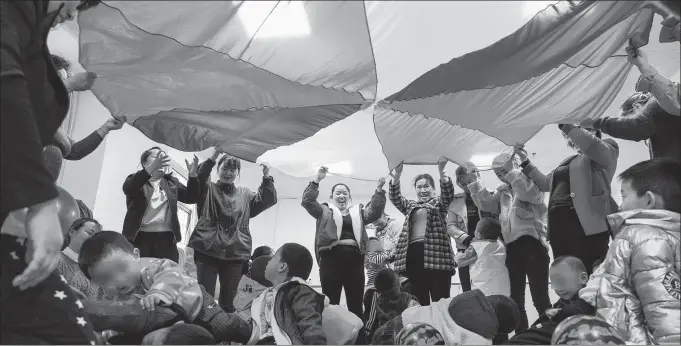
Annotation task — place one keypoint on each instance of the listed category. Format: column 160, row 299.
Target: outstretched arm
column 395, row 193
column 309, row 201
column 265, row 198
column 484, row 199
column 524, row 188
column 602, row 151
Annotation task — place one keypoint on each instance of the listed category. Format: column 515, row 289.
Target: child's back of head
column 652, row 184
column 488, row 229
column 291, row 260
column 568, row 275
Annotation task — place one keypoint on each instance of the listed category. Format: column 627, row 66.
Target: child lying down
column 290, row 312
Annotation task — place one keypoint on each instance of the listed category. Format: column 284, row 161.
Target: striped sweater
column 373, row 263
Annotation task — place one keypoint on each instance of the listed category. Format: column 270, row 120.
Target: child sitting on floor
column 637, row 289
column 568, row 275
column 385, row 301
column 251, row 286
column 107, row 258
column 290, row 312
column 486, row 257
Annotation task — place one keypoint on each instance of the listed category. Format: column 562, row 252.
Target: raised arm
column 524, row 188
column 265, row 198
column 484, row 199
column 665, row 91
column 190, row 193
column 203, row 174
column 309, row 201
column 85, row 146
column 602, row 151
column 543, row 182
column 637, row 127
column 447, row 192
column 25, row 181
column 374, row 209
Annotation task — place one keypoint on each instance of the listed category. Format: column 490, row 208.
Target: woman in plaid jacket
column 424, row 251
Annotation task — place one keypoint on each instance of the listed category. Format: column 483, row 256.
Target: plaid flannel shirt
column 439, row 254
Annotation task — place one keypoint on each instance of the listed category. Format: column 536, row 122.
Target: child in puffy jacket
column 486, row 257
column 637, row 289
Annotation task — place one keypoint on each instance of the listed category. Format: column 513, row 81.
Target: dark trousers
column 567, row 238
column 526, row 257
column 48, row 313
column 465, row 277
column 426, row 285
column 157, row 245
column 342, row 267
column 208, row 269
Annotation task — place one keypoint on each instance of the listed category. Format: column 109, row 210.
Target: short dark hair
column 188, row 334
column 262, row 251
column 61, row 63
column 231, row 162
column 146, row 153
column 489, row 228
column 298, row 259
column 76, row 225
column 341, row 184
column 99, row 246
column 426, row 176
column 86, row 4
column 572, row 261
column 660, row 176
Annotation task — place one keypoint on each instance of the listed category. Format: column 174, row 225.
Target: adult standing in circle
column 580, row 194
column 151, row 194
column 37, row 306
column 424, row 252
column 222, row 239
column 61, row 147
column 341, row 237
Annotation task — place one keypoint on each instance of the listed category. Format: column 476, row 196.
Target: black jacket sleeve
column 24, row 180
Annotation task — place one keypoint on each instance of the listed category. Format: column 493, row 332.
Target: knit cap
column 507, row 312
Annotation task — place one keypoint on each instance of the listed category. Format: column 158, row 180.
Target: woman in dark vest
column 341, row 238
column 222, row 239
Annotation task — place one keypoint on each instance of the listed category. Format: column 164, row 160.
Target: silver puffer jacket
column 636, row 289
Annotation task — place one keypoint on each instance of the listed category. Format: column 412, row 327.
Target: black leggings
column 465, row 277
column 528, row 259
column 567, row 238
column 426, row 285
column 342, row 267
column 157, row 245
